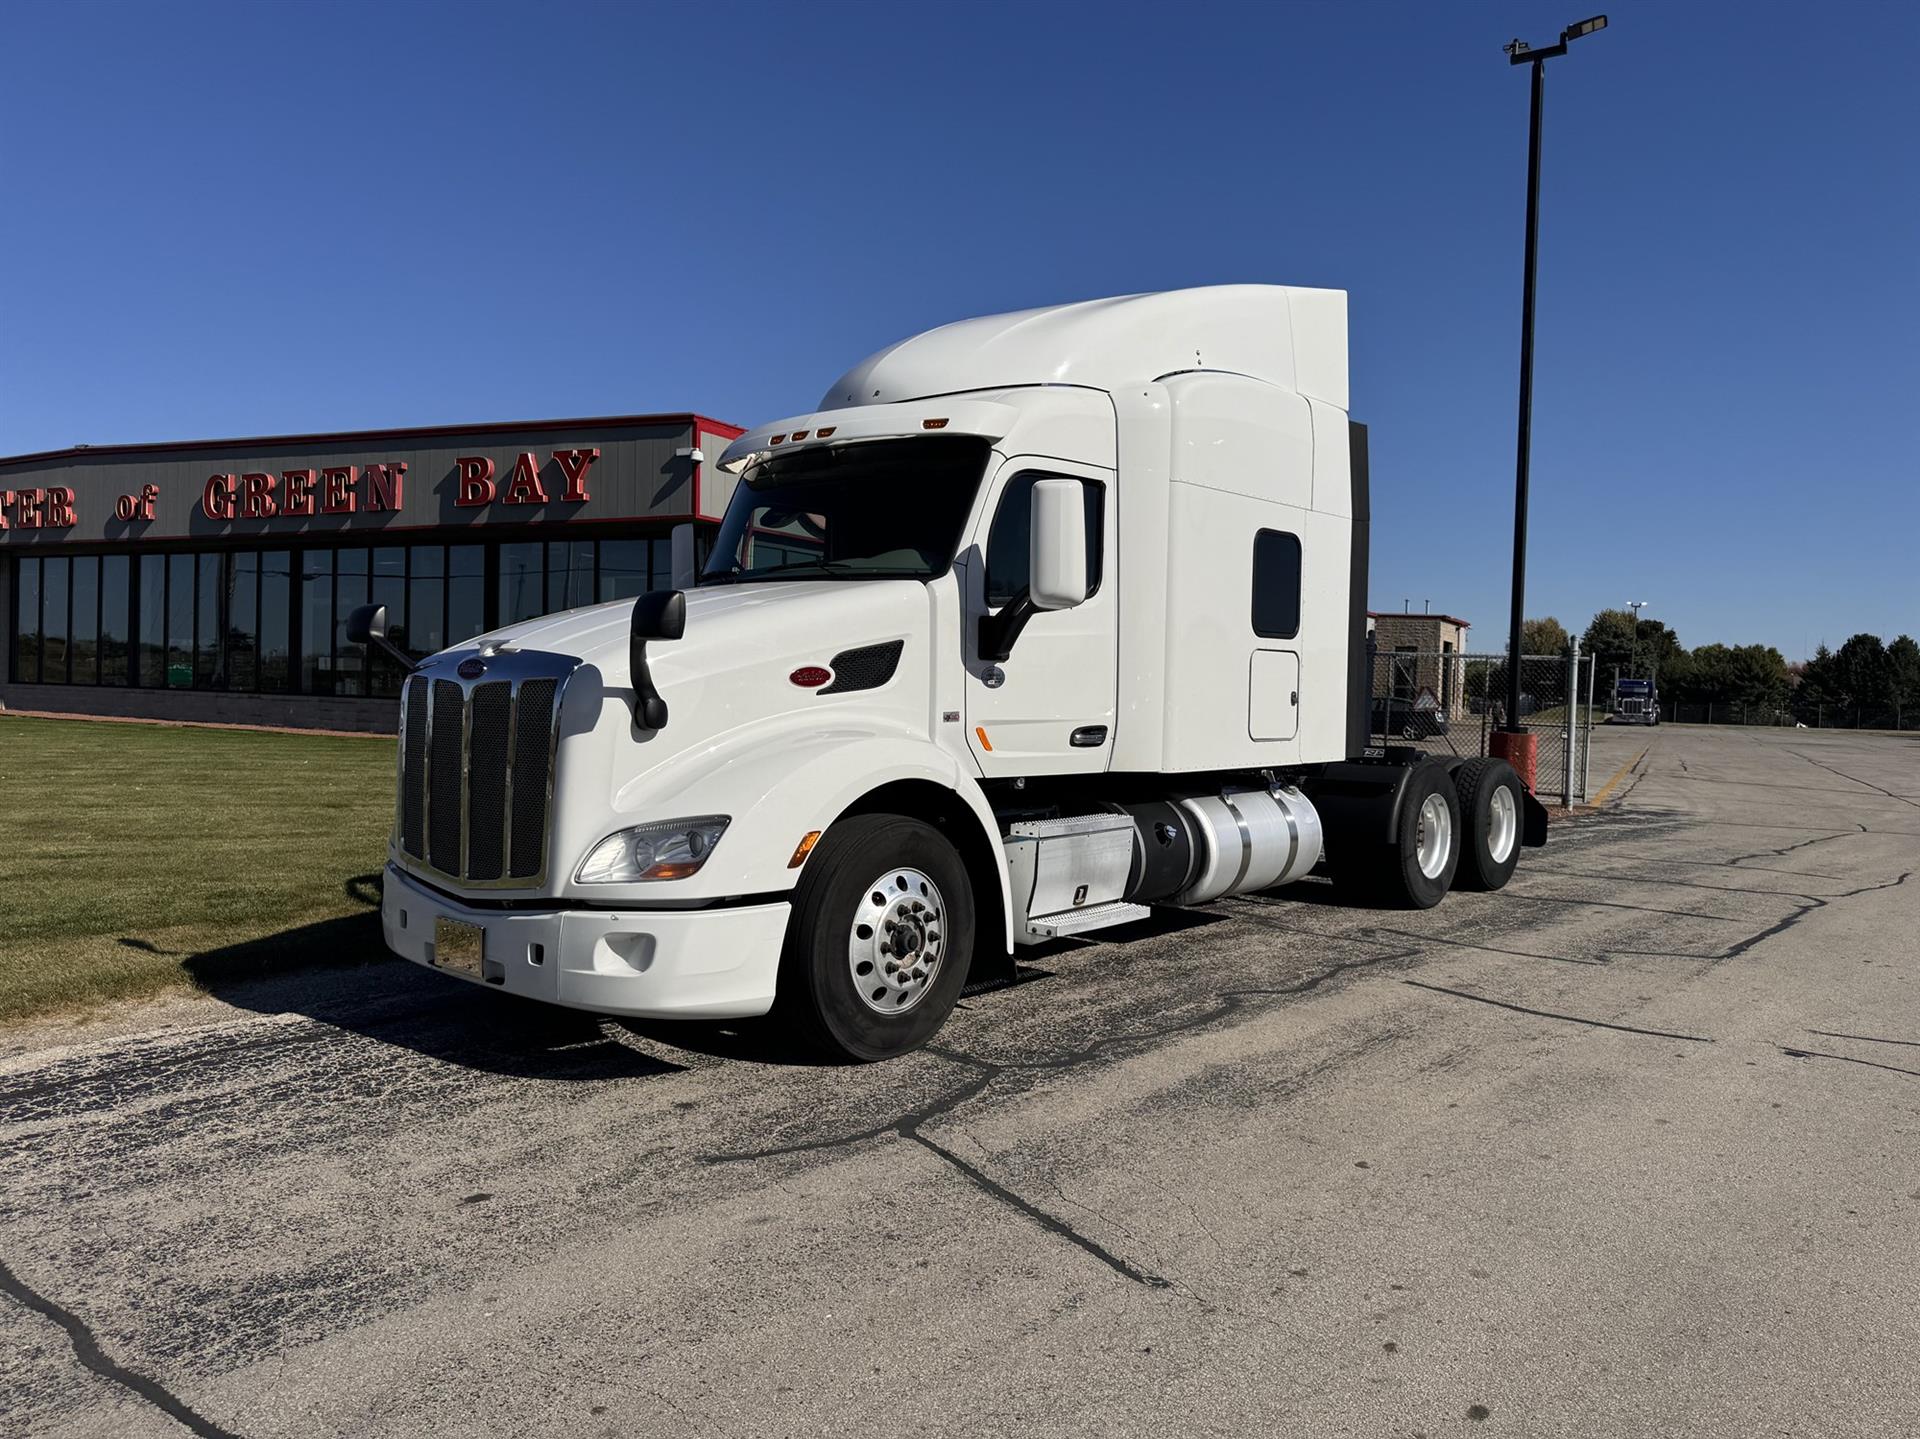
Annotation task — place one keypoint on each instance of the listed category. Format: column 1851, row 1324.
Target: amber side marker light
column 933, row 424
column 985, row 743
column 804, row 848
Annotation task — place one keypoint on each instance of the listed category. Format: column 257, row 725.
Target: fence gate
column 1446, row 702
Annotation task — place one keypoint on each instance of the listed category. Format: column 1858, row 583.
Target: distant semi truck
column 1634, row 702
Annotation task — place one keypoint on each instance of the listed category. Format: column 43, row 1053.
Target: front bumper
column 684, row 963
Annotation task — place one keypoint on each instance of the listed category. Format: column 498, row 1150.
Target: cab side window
column 1009, row 538
column 1276, row 585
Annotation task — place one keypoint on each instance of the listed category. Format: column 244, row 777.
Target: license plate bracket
column 460, row 947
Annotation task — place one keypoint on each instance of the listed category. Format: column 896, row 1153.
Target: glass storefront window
column 114, row 571
column 54, row 576
column 316, row 622
column 210, row 595
column 349, row 593
column 624, row 569
column 276, row 619
column 466, row 592
column 389, row 588
column 521, row 596
column 153, row 620
column 85, row 641
column 569, row 574
column 243, row 620
column 180, row 571
column 426, row 629
column 26, row 620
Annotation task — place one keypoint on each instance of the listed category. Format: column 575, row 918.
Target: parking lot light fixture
column 1519, row 53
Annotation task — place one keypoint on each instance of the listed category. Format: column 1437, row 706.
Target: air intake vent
column 476, row 771
column 865, row 668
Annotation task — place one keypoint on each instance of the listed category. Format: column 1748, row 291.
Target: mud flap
column 1533, row 824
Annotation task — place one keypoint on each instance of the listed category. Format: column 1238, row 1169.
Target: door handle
column 1089, row 736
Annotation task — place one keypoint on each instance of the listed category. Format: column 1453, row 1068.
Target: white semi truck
column 1038, row 621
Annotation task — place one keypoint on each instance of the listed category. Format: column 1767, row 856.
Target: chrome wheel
column 1503, row 825
column 897, row 940
column 1433, row 840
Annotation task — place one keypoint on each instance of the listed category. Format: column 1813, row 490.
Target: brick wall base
column 372, row 716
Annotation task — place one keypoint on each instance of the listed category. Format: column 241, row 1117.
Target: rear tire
column 1492, row 805
column 880, row 939
column 1418, row 870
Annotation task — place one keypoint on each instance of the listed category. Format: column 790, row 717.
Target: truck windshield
column 879, row 509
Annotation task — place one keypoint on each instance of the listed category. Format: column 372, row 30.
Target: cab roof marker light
column 824, row 431
column 779, row 439
column 939, row 424
column 799, row 435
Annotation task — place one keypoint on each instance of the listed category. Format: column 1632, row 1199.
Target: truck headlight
column 669, row 849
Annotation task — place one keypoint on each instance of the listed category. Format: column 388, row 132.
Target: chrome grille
column 476, row 769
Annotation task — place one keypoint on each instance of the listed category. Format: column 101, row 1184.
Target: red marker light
column 799, row 435
column 810, row 677
column 824, row 431
column 933, row 424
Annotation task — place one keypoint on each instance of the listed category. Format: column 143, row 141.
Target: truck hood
column 731, row 629
column 728, row 681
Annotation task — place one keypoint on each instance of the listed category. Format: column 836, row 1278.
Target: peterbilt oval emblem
column 472, row 669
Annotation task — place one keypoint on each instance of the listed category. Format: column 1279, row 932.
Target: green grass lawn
column 142, row 858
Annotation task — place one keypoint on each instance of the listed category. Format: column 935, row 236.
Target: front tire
column 880, row 940
column 1491, row 809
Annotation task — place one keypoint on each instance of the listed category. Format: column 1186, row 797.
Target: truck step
column 1079, row 921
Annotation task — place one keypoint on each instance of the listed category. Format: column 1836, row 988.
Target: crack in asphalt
column 1864, row 1038
column 1793, row 1053
column 986, row 1071
column 1549, row 1014
column 1822, row 764
column 86, row 1348
column 1858, row 829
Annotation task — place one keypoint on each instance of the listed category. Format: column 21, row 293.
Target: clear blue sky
column 258, row 218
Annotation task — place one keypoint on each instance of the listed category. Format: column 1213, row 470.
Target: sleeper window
column 1276, row 585
column 1009, row 541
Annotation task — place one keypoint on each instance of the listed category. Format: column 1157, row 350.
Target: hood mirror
column 657, row 615
column 367, row 625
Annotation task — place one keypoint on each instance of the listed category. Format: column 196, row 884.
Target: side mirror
column 1058, row 545
column 685, row 576
column 367, row 625
column 657, row 615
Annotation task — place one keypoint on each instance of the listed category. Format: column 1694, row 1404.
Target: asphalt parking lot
column 1632, row 1147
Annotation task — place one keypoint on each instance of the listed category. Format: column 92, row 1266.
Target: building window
column 276, row 620
column 522, row 587
column 55, row 576
column 153, row 621
column 1276, row 585
column 466, row 592
column 84, row 643
column 116, row 606
column 26, row 620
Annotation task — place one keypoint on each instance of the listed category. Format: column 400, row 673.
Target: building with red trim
column 211, row 580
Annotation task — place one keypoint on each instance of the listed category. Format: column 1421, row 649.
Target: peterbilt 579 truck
column 1039, row 621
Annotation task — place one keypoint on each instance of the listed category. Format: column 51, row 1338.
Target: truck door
column 1048, row 708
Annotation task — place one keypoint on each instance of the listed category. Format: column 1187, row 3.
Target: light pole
column 1633, row 649
column 1520, row 53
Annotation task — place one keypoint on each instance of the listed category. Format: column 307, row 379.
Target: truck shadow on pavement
column 337, row 972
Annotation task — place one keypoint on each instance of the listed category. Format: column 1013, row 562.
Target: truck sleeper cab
column 1038, row 621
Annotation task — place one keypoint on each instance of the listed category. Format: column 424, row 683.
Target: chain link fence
column 1446, row 702
column 1807, row 714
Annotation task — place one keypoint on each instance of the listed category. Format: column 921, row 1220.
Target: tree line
column 1867, row 681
